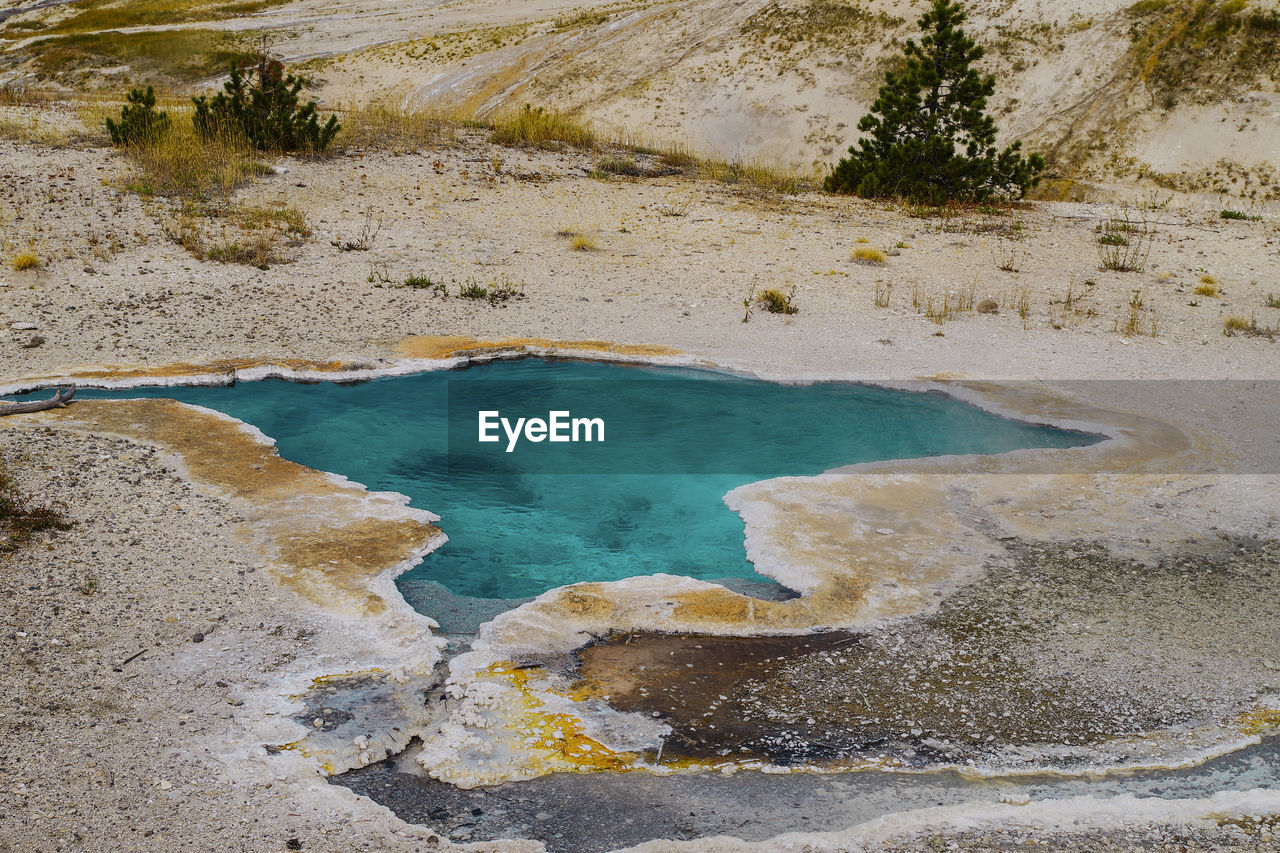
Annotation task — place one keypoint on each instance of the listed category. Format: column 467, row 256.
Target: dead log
column 57, row 401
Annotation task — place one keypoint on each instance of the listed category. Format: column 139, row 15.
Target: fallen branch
column 57, row 401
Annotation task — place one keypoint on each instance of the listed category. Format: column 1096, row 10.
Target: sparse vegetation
column 249, row 235
column 20, row 519
column 1271, row 301
column 776, row 301
column 944, row 306
column 794, row 29
column 255, row 249
column 868, row 255
column 96, row 15
column 1124, row 241
column 754, row 175
column 532, row 127
column 1203, row 48
column 1138, row 312
column 1237, row 325
column 1008, row 253
column 386, row 127
column 1239, row 215
column 184, row 164
column 495, row 292
column 883, row 294
column 369, row 228
column 578, row 240
column 676, row 205
column 1207, row 287
column 181, row 55
column 624, row 166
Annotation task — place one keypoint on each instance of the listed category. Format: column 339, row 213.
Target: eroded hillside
column 1180, row 95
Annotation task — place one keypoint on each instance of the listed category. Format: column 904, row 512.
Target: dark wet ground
column 1064, row 646
column 590, row 812
column 1057, row 647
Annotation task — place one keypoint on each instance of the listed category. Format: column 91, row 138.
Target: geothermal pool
column 1061, row 657
column 646, row 499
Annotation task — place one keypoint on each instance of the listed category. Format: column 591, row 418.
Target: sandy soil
column 115, row 290
column 161, row 553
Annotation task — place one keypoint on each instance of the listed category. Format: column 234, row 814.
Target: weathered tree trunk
column 57, row 401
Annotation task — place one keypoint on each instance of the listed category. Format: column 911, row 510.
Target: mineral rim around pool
column 1062, row 656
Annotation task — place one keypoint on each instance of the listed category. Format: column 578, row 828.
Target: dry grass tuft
column 17, row 95
column 868, row 255
column 25, row 260
column 183, row 54
column 582, row 243
column 1237, row 325
column 541, row 128
column 775, row 301
column 384, row 127
column 185, row 164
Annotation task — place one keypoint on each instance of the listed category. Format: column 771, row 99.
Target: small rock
column 893, row 253
column 988, row 306
column 197, row 637
column 884, row 531
column 35, row 341
column 22, row 326
column 280, row 170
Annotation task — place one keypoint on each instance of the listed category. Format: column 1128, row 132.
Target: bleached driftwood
column 57, row 401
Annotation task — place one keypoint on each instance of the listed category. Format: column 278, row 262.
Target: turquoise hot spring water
column 647, row 499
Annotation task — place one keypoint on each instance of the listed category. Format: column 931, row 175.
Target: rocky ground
column 129, row 645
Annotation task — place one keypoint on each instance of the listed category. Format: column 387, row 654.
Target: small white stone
column 884, row 531
column 23, row 327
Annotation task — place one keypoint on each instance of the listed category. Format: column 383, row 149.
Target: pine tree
column 928, row 138
column 267, row 111
column 139, row 120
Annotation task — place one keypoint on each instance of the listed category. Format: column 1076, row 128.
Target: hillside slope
column 1179, row 94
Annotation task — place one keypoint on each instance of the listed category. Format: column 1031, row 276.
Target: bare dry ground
column 666, row 260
